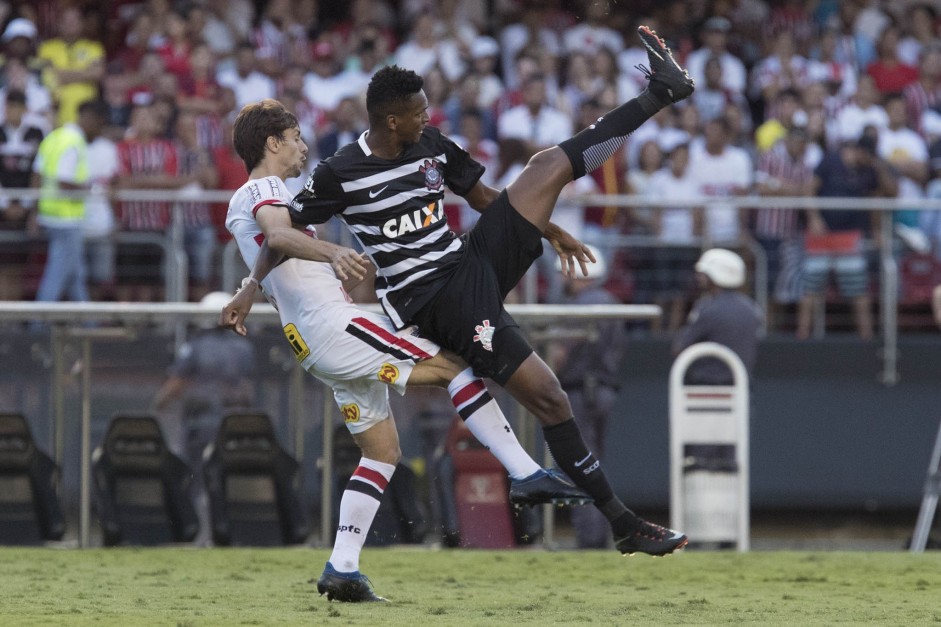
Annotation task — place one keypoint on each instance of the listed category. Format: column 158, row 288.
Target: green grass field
column 274, row 587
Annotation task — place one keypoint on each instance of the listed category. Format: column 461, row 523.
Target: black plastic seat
column 142, row 489
column 30, row 512
column 254, row 486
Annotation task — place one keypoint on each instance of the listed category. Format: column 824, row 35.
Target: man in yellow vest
column 62, row 165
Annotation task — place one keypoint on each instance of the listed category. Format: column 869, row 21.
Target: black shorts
column 467, row 316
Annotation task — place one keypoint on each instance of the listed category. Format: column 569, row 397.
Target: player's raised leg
column 536, row 189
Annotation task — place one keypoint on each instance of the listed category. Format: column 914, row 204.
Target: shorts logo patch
column 485, row 335
column 433, row 177
column 388, row 374
column 298, row 345
column 350, row 413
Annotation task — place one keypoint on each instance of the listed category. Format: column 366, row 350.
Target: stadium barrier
column 88, row 323
column 176, row 274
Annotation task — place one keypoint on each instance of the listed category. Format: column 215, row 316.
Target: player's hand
column 570, row 251
column 236, row 310
column 349, row 264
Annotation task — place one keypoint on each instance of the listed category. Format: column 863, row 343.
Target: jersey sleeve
column 462, row 171
column 321, row 198
column 269, row 190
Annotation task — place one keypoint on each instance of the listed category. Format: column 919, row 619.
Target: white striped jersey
column 395, row 210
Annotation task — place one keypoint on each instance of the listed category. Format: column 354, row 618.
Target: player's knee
column 552, row 164
column 387, row 453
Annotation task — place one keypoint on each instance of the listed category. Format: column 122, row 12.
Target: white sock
column 483, row 417
column 358, row 507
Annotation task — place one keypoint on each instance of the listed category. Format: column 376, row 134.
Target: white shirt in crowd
column 547, row 128
column 718, row 176
column 734, row 76
column 852, row 119
column 677, row 225
column 252, row 88
column 102, row 168
column 903, row 143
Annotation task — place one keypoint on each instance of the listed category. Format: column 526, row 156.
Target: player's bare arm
column 282, row 237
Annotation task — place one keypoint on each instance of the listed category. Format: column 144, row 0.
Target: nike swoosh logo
column 373, row 194
column 578, row 464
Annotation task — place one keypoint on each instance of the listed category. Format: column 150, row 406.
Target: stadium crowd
column 844, row 93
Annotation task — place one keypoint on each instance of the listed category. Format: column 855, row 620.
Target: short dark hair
column 389, row 88
column 253, row 126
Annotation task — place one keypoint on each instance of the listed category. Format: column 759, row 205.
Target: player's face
column 413, row 119
column 295, row 152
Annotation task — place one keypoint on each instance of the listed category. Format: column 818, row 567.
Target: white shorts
column 363, row 361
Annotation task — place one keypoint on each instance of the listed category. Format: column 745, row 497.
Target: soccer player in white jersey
column 388, row 187
column 358, row 354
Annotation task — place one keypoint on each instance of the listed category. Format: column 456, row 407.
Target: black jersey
column 395, row 209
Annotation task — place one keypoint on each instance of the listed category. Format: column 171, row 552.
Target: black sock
column 573, row 457
column 591, row 147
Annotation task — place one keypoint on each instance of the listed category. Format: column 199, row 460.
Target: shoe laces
column 652, row 531
column 643, row 68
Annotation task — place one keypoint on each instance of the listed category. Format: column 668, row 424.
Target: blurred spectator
column 890, row 74
column 780, row 70
column 722, row 314
column 710, row 97
column 146, row 161
column 925, row 93
column 594, row 32
column 245, row 80
column 345, row 125
column 532, row 29
column 863, row 111
column 199, row 94
column 784, row 170
column 470, row 135
column 650, row 160
column 676, row 228
column 907, row 153
column 324, row 85
column 526, row 65
column 438, row 90
column 227, row 23
column 73, row 65
column 177, row 47
column 838, row 75
column 721, row 171
column 62, row 164
column 578, row 85
column 278, row 37
column 785, row 112
column 419, row 51
column 834, row 239
column 369, row 51
column 99, row 225
column 199, row 234
column 232, row 175
column 589, row 371
column 144, row 80
column 604, row 65
column 853, row 48
column 534, row 121
column 15, row 76
column 19, row 42
column 714, row 35
column 19, row 141
column 921, row 32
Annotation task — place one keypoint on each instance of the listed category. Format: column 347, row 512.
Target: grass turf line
column 195, row 587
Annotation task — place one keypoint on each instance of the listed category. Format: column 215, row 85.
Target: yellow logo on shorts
column 388, row 373
column 350, row 412
column 301, row 351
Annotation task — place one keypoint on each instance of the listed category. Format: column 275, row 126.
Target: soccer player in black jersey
column 388, row 186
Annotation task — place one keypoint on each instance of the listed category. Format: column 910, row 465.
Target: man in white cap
column 722, row 314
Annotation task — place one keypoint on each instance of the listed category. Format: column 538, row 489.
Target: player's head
column 396, row 102
column 266, row 127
